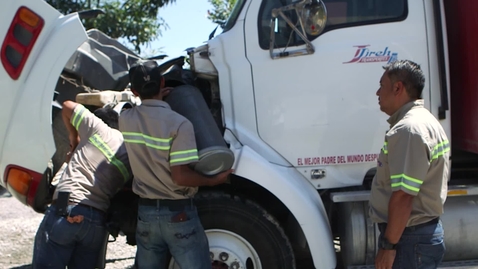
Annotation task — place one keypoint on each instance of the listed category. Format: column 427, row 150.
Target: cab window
column 340, row 14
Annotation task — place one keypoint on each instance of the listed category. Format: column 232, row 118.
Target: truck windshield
column 234, row 14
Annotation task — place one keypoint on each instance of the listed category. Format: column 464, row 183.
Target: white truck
column 292, row 87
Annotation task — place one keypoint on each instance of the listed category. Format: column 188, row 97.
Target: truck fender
column 297, row 194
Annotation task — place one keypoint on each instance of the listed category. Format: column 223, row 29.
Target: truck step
column 463, row 190
column 470, row 264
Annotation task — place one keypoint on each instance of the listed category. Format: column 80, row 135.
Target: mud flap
column 44, row 193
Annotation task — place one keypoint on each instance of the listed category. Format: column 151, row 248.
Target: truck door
column 320, row 110
column 37, row 41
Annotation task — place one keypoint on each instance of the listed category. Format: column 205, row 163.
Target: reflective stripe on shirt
column 80, row 113
column 407, row 182
column 385, row 148
column 149, row 141
column 440, row 149
column 184, row 155
column 110, row 156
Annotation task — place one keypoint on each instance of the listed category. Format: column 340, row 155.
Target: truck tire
column 242, row 234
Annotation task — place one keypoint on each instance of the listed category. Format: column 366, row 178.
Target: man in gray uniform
column 410, row 186
column 73, row 230
column 161, row 145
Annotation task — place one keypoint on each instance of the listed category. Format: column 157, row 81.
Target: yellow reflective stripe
column 165, row 140
column 194, row 158
column 184, row 152
column 407, row 182
column 440, row 149
column 81, row 111
column 385, row 147
column 135, row 141
column 110, row 156
column 406, row 177
column 149, row 141
column 183, row 155
column 414, row 189
column 103, row 147
column 81, row 118
column 75, row 114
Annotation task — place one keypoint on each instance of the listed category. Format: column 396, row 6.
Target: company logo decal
column 367, row 55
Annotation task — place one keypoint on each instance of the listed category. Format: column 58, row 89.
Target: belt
column 414, row 227
column 82, row 205
column 174, row 205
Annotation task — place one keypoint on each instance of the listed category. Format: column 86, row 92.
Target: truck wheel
column 242, row 235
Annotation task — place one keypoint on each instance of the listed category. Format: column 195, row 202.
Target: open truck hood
column 37, row 42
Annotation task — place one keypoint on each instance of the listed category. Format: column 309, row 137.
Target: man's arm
column 409, row 160
column 182, row 175
column 399, row 210
column 182, row 153
column 67, row 112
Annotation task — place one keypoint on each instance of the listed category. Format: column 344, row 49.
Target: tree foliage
column 221, row 10
column 135, row 20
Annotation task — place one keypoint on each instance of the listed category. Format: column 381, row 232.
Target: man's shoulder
column 127, row 116
column 416, row 117
column 418, row 122
column 172, row 117
column 407, row 126
column 179, row 118
column 127, row 113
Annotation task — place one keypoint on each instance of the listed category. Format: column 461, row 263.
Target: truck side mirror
column 314, row 17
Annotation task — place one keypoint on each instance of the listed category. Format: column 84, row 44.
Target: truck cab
column 299, row 97
column 292, row 87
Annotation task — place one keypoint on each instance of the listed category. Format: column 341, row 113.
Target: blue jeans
column 59, row 243
column 158, row 231
column 419, row 247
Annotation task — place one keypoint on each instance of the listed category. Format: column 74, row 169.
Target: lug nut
column 223, row 256
column 235, row 265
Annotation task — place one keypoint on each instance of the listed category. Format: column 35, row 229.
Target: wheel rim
column 229, row 250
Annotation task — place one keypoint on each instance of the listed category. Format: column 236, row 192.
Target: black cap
column 145, row 74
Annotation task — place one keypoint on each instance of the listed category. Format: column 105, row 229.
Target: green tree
column 135, row 20
column 221, row 10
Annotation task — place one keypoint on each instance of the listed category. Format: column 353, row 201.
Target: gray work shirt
column 414, row 159
column 156, row 138
column 99, row 166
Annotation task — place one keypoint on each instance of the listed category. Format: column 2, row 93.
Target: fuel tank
column 359, row 236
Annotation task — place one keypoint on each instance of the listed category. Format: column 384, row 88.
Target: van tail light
column 18, row 43
column 22, row 183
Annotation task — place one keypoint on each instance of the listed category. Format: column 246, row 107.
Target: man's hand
column 384, row 259
column 221, row 177
column 164, row 92
column 184, row 176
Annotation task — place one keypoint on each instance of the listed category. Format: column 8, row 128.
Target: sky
column 188, row 27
